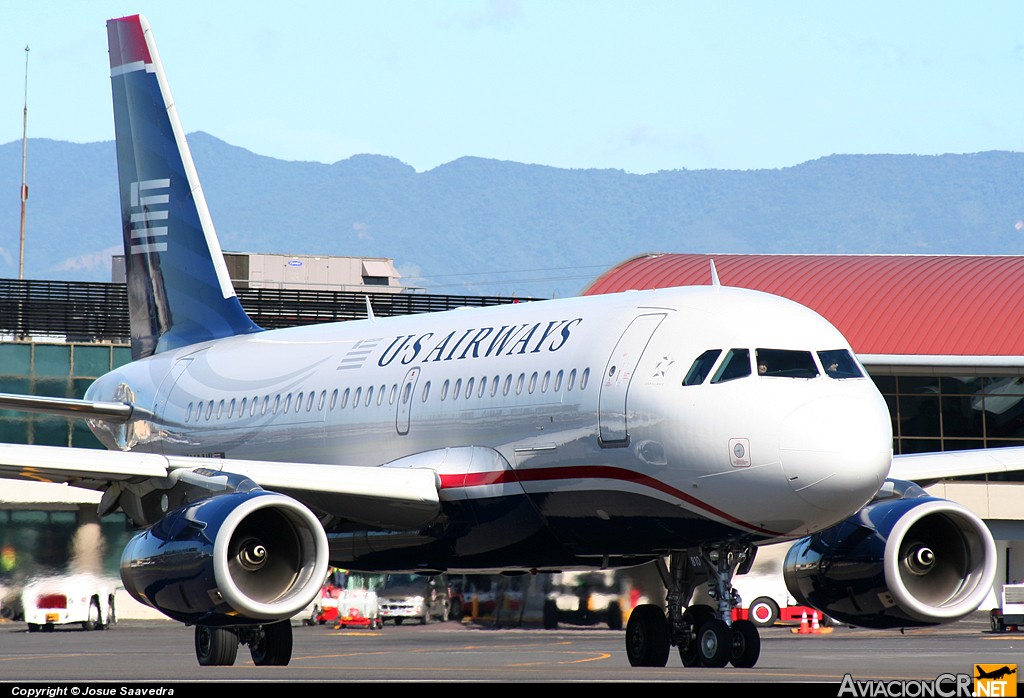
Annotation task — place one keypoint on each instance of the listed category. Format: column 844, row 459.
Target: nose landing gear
column 704, row 635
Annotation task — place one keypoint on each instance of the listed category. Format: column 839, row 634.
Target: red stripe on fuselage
column 589, row 472
column 127, row 41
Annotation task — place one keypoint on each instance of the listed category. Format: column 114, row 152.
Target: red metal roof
column 883, row 304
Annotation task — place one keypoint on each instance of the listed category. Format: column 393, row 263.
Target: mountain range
column 486, row 227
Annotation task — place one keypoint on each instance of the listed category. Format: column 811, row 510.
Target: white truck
column 1010, row 613
column 84, row 599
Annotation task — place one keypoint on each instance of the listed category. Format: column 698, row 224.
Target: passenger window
column 344, row 398
column 188, row 412
column 369, row 396
column 785, row 363
column 444, row 389
column 584, row 378
column 241, row 407
column 220, row 409
column 334, row 399
column 355, row 397
column 380, row 395
column 457, row 389
column 469, row 388
column 701, row 367
column 320, row 402
column 277, row 404
column 298, row 401
column 406, row 392
column 572, row 380
column 558, row 381
column 231, row 409
column 483, row 387
column 544, row 383
column 287, row 403
column 209, row 410
column 519, row 383
column 494, row 385
column 735, row 365
column 394, row 392
column 508, row 385
column 838, row 363
column 264, row 405
column 426, row 391
column 533, row 383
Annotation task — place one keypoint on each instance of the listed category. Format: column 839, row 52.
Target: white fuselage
column 580, row 397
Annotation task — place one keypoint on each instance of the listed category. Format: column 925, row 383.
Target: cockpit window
column 838, row 363
column 735, row 365
column 786, row 363
column 701, row 367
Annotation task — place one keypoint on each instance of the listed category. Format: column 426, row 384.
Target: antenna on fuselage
column 369, row 310
column 714, row 275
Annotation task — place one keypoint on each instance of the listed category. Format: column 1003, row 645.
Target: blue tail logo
column 179, row 291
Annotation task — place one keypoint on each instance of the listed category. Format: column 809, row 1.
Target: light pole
column 24, row 183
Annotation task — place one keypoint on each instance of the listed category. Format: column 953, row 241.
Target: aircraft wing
column 930, row 467
column 399, row 498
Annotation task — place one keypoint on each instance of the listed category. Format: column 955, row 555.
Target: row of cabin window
column 307, row 401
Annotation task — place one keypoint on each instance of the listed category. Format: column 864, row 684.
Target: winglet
column 179, row 289
column 714, row 275
column 369, row 310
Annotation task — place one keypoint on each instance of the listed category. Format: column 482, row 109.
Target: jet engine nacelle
column 232, row 559
column 908, row 560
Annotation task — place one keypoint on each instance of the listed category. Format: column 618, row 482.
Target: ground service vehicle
column 765, row 600
column 584, row 598
column 68, row 599
column 1010, row 613
column 356, row 605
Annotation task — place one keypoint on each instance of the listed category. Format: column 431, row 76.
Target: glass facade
column 952, row 413
column 53, row 370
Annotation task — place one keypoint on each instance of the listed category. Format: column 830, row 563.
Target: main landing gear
column 705, row 636
column 269, row 645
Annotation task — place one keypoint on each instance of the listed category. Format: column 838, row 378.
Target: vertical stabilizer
column 179, row 291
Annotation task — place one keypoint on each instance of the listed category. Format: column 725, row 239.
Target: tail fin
column 179, row 291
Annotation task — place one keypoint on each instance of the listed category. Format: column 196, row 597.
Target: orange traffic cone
column 815, row 628
column 805, row 629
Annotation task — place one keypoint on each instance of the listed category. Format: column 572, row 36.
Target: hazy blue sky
column 642, row 86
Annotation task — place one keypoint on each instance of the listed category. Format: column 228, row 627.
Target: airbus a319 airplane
column 683, row 426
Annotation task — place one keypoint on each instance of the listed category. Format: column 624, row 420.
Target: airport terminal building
column 942, row 337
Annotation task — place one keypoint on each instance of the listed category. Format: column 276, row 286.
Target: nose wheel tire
column 714, row 643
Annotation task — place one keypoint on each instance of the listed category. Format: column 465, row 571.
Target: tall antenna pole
column 24, row 183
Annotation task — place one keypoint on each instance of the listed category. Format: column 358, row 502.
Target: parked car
column 414, row 597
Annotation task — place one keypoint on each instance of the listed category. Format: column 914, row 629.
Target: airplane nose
column 836, row 451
